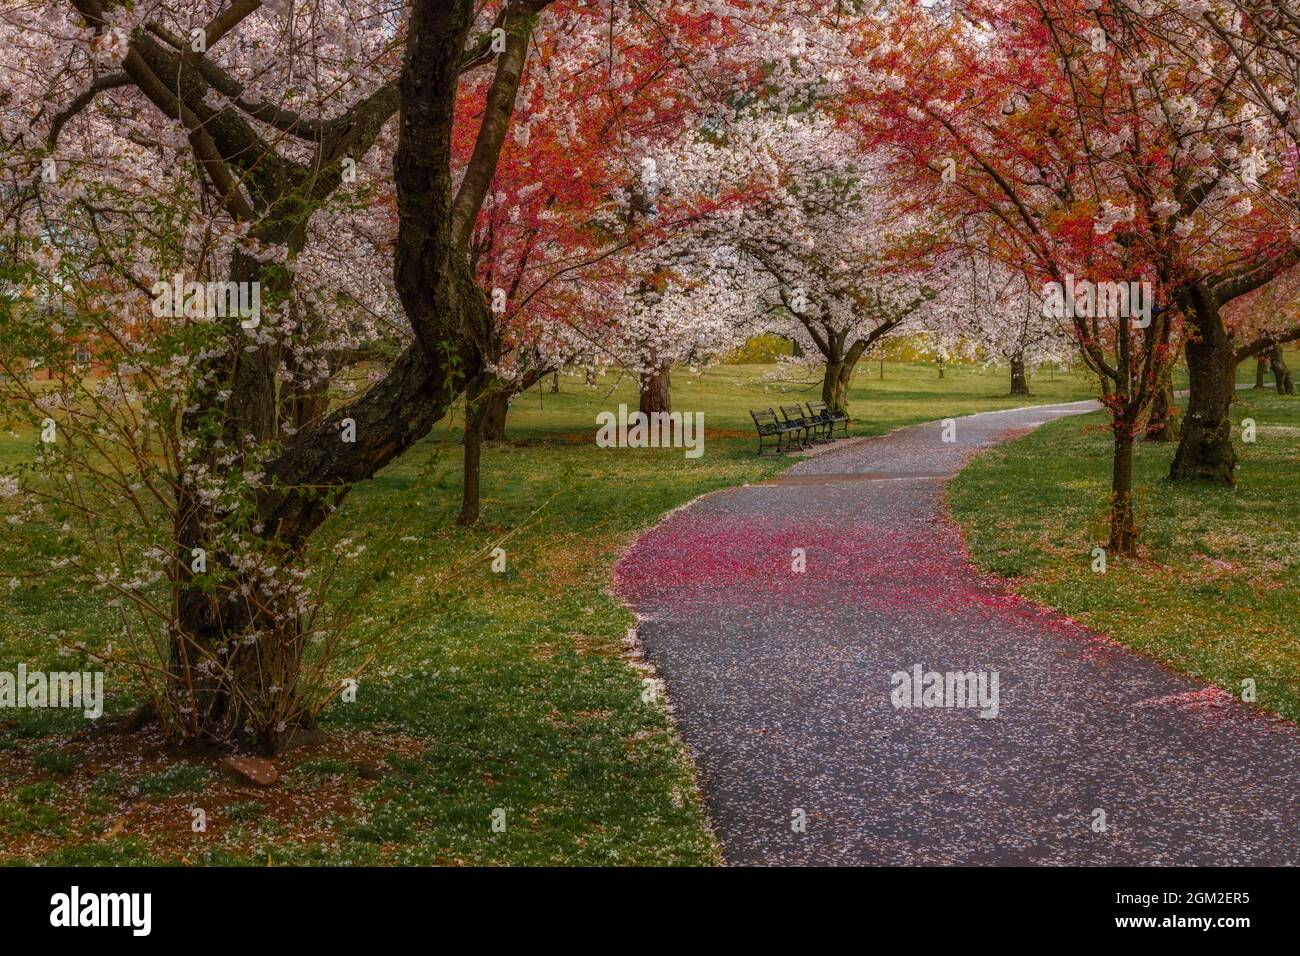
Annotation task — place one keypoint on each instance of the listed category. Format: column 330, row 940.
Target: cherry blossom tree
column 337, row 190
column 551, row 244
column 1007, row 114
column 243, row 143
column 994, row 312
column 1224, row 75
column 819, row 252
column 581, row 237
column 767, row 134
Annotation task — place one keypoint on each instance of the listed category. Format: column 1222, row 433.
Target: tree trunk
column 1162, row 426
column 225, row 687
column 480, row 398
column 555, row 384
column 1019, row 381
column 655, row 390
column 495, row 407
column 234, row 646
column 831, row 392
column 1281, row 373
column 1261, row 363
column 469, row 501
column 235, row 664
column 835, row 384
column 1123, row 529
column 1205, row 447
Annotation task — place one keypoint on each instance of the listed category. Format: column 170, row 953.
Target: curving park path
column 822, row 738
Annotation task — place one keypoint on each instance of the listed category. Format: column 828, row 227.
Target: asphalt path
column 818, row 740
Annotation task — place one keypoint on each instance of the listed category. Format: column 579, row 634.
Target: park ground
column 518, row 691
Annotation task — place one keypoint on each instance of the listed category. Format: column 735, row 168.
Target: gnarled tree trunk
column 835, row 383
column 841, row 363
column 251, row 634
column 1205, row 449
column 233, row 666
column 834, row 387
column 1281, row 373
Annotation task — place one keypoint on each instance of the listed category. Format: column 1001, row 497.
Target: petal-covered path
column 782, row 682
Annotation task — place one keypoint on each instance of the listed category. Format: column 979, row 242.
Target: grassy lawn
column 499, row 691
column 1215, row 592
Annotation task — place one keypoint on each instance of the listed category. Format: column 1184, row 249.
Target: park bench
column 822, row 413
column 820, row 418
column 796, row 416
column 769, row 426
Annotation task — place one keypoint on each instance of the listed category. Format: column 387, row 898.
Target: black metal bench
column 820, row 420
column 796, row 416
column 768, row 426
column 820, row 412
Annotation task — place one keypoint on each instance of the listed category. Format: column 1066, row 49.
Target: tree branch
column 108, row 81
column 496, row 119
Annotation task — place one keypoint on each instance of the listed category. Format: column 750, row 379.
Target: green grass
column 1215, row 591
column 182, row 778
column 507, row 691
